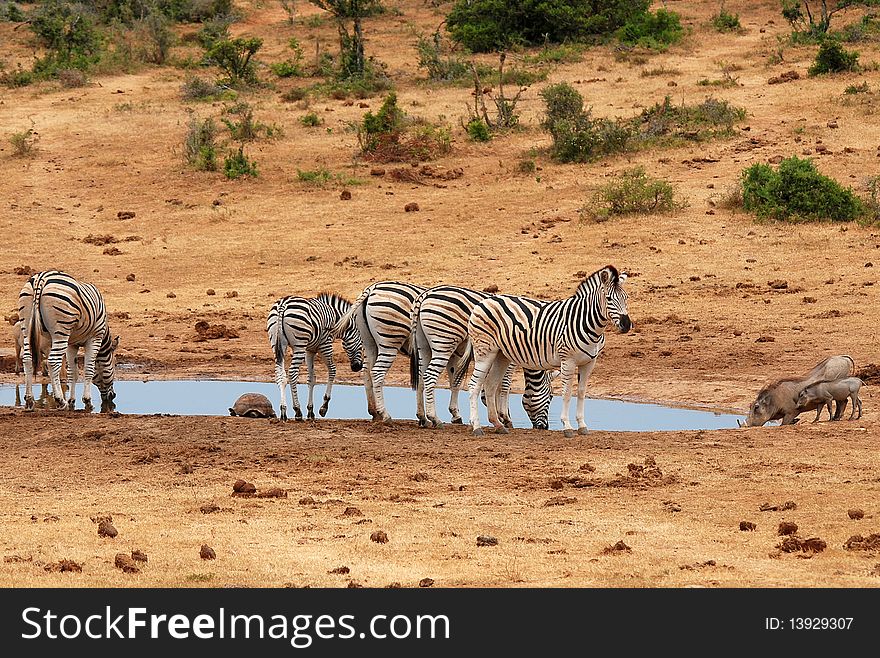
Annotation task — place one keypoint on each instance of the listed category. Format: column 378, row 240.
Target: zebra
column 439, row 333
column 382, row 315
column 307, row 327
column 568, row 334
column 55, row 306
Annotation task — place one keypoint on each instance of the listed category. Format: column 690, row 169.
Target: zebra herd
column 447, row 327
column 440, row 328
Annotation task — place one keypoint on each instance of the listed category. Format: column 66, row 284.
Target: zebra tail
column 412, row 342
column 33, row 329
column 275, row 338
column 346, row 318
column 460, row 367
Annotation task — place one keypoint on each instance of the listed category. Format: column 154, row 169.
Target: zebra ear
column 605, row 276
column 623, row 277
column 114, row 344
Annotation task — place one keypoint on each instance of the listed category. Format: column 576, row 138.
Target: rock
column 411, row 207
column 491, row 289
column 340, row 570
column 487, row 540
column 813, row 545
column 112, row 251
column 106, row 529
column 352, row 511
column 139, row 556
column 616, row 549
column 130, row 277
column 307, row 500
column 856, row 514
column 778, row 284
column 210, row 292
column 171, row 295
column 242, row 487
column 207, row 553
column 426, row 582
column 125, row 214
column 419, row 477
column 230, row 294
column 747, row 526
column 377, row 171
column 345, row 195
column 380, row 537
column 125, row 563
column 556, row 484
column 787, row 528
column 765, row 339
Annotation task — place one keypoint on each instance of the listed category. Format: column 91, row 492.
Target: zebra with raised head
column 439, row 334
column 55, row 307
column 307, row 327
column 567, row 334
column 382, row 315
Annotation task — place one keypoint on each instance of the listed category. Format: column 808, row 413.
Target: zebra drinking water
column 55, row 307
column 382, row 315
column 568, row 334
column 307, row 327
column 439, row 332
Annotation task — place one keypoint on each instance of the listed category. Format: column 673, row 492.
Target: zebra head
column 354, row 346
column 537, row 397
column 105, row 370
column 615, row 298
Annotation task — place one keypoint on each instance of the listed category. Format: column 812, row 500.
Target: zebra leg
column 90, row 358
column 482, row 365
column 72, row 375
column 371, row 353
column 494, row 383
column 568, row 374
column 584, row 373
column 439, row 361
column 28, row 366
column 423, row 354
column 504, row 397
column 310, row 369
column 380, row 369
column 56, row 357
column 281, row 382
column 293, row 377
column 327, row 355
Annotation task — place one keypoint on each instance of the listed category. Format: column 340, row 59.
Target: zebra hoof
column 457, row 421
column 582, row 431
column 388, row 420
column 508, row 423
column 502, row 430
column 568, row 434
column 478, row 432
column 438, row 424
column 298, row 416
column 323, row 411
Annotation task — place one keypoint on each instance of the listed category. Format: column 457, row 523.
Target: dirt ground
column 709, row 330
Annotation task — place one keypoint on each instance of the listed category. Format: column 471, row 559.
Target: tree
column 351, row 41
column 814, row 16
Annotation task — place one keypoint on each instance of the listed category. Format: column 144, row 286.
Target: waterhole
column 214, row 397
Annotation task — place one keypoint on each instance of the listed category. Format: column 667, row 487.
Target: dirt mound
column 139, row 556
column 242, row 488
column 859, row 543
column 642, row 476
column 207, row 553
column 107, row 529
column 787, row 528
column 64, row 566
column 207, row 331
column 784, row 507
column 870, row 374
column 560, row 500
column 124, row 562
column 856, row 514
column 340, row 570
column 747, row 526
column 487, row 540
column 616, row 549
column 794, row 544
column 380, row 537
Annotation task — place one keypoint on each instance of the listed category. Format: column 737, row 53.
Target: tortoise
column 252, row 405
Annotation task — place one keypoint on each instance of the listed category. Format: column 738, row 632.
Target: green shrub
column 388, row 136
column 440, row 69
column 315, row 177
column 387, row 121
column 478, row 131
column 295, row 94
column 212, row 31
column 237, row 164
column 311, row 120
column 12, row 12
column 194, row 11
column 69, row 35
column 20, row 77
column 196, row 88
column 652, row 30
column 833, row 58
column 159, row 37
column 290, row 67
column 72, row 78
column 633, row 191
column 487, row 25
column 199, row 147
column 857, row 89
column 797, row 191
column 235, row 58
column 24, row 143
column 724, row 21
column 526, row 166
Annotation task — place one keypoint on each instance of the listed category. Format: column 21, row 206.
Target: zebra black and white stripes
column 54, row 306
column 439, row 334
column 567, row 334
column 382, row 315
column 307, row 327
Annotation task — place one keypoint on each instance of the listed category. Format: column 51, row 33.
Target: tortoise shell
column 252, row 405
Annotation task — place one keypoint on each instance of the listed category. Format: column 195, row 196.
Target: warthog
column 778, row 400
column 823, row 393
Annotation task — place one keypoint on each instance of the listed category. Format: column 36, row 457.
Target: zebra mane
column 335, row 301
column 591, row 280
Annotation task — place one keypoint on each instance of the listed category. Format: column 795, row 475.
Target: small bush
column 566, row 53
column 24, row 143
column 833, row 58
column 195, row 88
column 658, row 71
column 633, row 191
column 72, row 78
column 311, row 120
column 199, row 147
column 69, row 35
column 12, row 12
column 796, row 191
column 857, row 89
column 157, row 36
column 235, row 58
column 652, row 30
column 290, row 67
column 387, row 121
column 294, row 94
column 237, row 164
column 440, row 69
column 478, row 131
column 315, row 177
column 526, row 166
column 724, row 21
column 212, row 31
